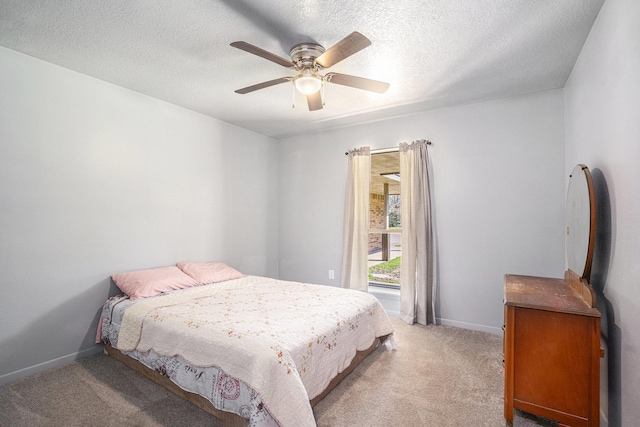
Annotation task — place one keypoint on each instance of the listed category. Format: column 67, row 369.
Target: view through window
column 385, row 222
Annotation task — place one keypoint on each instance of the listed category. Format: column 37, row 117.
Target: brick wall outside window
column 377, row 219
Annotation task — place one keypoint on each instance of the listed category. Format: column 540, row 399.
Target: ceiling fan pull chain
column 323, row 97
column 293, row 96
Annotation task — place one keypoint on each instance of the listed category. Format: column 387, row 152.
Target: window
column 385, row 222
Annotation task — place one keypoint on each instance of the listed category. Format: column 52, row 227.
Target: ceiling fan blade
column 263, row 85
column 262, row 53
column 357, row 82
column 346, row 47
column 314, row 101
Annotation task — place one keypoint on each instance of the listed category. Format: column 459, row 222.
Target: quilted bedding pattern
column 285, row 340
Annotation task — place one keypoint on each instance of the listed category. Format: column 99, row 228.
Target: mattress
column 257, row 347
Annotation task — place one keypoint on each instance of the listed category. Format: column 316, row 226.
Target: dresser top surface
column 544, row 293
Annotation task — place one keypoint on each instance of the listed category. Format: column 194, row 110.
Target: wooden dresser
column 552, row 349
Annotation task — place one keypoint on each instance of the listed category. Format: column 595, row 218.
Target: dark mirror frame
column 580, row 221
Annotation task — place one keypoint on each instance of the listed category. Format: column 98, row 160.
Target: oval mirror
column 580, row 222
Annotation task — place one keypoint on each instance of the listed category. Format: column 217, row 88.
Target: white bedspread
column 286, row 340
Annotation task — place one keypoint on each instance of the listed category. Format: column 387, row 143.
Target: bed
column 250, row 350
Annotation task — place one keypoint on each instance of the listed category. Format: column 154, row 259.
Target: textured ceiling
column 433, row 53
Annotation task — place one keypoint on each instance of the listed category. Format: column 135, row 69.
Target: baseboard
column 31, row 370
column 390, row 300
column 472, row 326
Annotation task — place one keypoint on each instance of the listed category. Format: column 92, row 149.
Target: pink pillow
column 148, row 283
column 209, row 272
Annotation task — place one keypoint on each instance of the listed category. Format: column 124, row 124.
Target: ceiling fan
column 308, row 60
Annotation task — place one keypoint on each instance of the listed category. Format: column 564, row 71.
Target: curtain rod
column 386, row 150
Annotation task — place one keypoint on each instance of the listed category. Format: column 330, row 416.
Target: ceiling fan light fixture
column 307, row 82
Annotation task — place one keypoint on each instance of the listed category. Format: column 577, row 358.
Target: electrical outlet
column 331, row 275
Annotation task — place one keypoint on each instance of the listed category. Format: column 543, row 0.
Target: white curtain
column 417, row 290
column 355, row 274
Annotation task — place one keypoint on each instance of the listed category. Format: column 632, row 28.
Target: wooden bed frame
column 228, row 419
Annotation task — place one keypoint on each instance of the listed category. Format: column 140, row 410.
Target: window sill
column 383, row 291
column 384, row 285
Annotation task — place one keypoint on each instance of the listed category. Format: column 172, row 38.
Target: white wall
column 602, row 116
column 95, row 180
column 498, row 198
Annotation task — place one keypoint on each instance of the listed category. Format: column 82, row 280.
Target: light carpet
column 438, row 376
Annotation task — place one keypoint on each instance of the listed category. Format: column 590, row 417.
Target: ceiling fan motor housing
column 303, row 55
